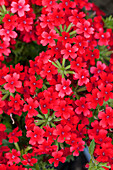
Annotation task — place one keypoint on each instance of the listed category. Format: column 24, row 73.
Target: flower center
column 8, row 31
column 69, row 51
column 44, row 105
column 103, row 154
column 49, row 37
column 19, row 6
column 13, row 156
column 50, row 2
column 83, row 106
column 106, row 92
column 35, row 135
column 1, row 47
column 66, row 3
column 29, row 160
column 12, row 82
column 24, row 22
column 30, row 107
column 80, row 44
column 64, row 87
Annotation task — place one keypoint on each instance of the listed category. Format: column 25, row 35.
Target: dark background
column 105, row 5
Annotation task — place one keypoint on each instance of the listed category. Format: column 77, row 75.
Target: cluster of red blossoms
column 62, row 97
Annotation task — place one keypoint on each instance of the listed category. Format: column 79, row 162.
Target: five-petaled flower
column 12, row 82
column 19, row 7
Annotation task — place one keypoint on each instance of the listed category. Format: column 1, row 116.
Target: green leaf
column 92, row 147
column 69, row 27
column 103, row 164
column 61, row 29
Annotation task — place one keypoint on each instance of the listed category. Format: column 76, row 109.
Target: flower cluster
column 54, row 104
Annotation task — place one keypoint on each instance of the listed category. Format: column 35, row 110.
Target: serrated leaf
column 92, row 147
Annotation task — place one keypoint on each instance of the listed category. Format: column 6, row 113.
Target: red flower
column 81, row 44
column 44, row 105
column 13, row 136
column 28, row 159
column 63, row 132
column 57, row 16
column 63, row 88
column 7, row 33
column 63, row 109
column 10, row 21
column 48, row 71
column 103, row 37
column 101, row 137
column 16, row 102
column 65, row 38
column 95, row 130
column 36, row 136
column 30, row 107
column 2, row 127
column 94, row 99
column 69, row 51
column 83, row 106
column 105, row 92
column 106, row 118
column 12, row 82
column 76, row 16
column 97, row 70
column 104, row 152
column 48, row 38
column 3, row 48
column 46, row 21
column 25, row 24
column 77, row 146
column 13, row 157
column 85, row 28
column 20, row 7
column 78, row 64
column 33, row 83
column 58, row 157
column 82, row 77
column 92, row 55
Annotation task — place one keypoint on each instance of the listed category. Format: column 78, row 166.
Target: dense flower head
column 56, row 82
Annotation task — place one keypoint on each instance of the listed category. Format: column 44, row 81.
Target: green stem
column 67, row 67
column 58, row 63
column 81, row 89
column 4, row 8
column 5, row 96
column 69, row 27
column 17, row 146
column 73, row 32
column 57, row 30
column 61, row 29
column 63, row 62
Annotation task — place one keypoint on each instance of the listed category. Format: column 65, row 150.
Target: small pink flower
column 64, row 88
column 12, row 82
column 20, row 7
